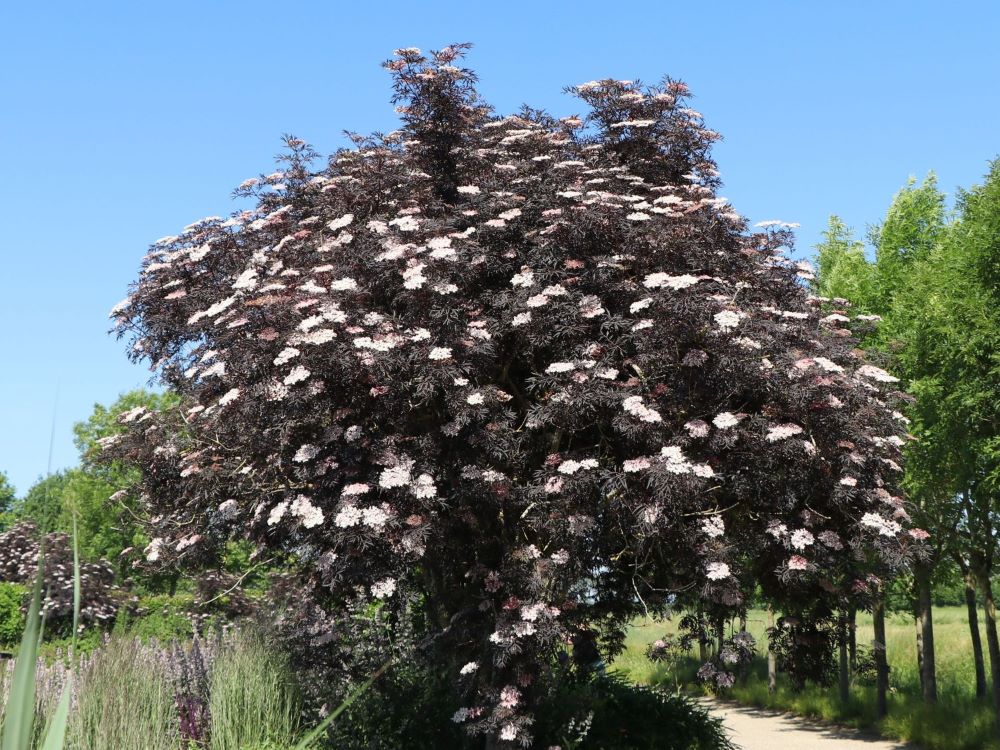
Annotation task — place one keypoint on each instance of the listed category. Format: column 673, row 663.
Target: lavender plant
column 530, row 372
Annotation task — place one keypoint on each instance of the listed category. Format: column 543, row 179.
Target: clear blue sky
column 123, row 122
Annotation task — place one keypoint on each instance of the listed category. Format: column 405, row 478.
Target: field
column 959, row 722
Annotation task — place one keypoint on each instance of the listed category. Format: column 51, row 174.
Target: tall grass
column 233, row 692
column 254, row 702
column 958, row 722
column 125, row 701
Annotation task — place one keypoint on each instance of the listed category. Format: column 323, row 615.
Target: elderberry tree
column 532, row 373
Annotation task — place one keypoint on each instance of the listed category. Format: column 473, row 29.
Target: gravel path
column 759, row 729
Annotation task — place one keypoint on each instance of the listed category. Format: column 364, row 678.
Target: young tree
column 895, row 287
column 932, row 286
column 529, row 372
column 970, row 382
column 842, row 269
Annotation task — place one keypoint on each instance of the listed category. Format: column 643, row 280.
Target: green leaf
column 20, row 715
column 76, row 585
column 55, row 738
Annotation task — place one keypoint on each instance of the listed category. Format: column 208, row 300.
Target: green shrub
column 12, row 596
column 159, row 618
column 607, row 712
column 411, row 706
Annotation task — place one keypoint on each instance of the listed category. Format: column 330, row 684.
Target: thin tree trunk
column 720, row 633
column 920, row 648
column 772, row 662
column 845, row 681
column 881, row 663
column 852, row 639
column 977, row 642
column 928, row 671
column 989, row 605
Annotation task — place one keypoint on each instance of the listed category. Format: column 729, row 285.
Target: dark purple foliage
column 531, row 370
column 100, row 596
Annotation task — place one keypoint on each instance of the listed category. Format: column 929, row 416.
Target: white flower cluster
column 384, row 589
column 310, row 515
column 724, row 420
column 875, row 373
column 728, row 320
column 677, row 463
column 717, row 571
column 571, row 467
column 882, row 525
column 660, row 280
column 713, row 526
column 634, row 465
column 305, row 454
column 633, row 405
column 801, row 538
column 782, row 431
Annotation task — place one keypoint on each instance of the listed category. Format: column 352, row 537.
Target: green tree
column 908, row 256
column 931, row 281
column 843, row 269
column 43, row 503
column 969, row 386
column 7, row 499
column 910, row 232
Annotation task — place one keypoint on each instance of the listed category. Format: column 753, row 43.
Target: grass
column 253, row 700
column 131, row 695
column 958, row 722
column 125, row 702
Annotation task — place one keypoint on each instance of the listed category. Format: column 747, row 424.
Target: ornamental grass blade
column 76, row 587
column 55, row 737
column 19, row 717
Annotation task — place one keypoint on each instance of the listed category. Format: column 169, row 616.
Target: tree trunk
column 881, row 663
column 772, row 662
column 852, row 639
column 928, row 671
column 977, row 643
column 991, row 640
column 720, row 633
column 920, row 648
column 845, row 680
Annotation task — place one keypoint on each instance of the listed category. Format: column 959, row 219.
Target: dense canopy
column 533, row 371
